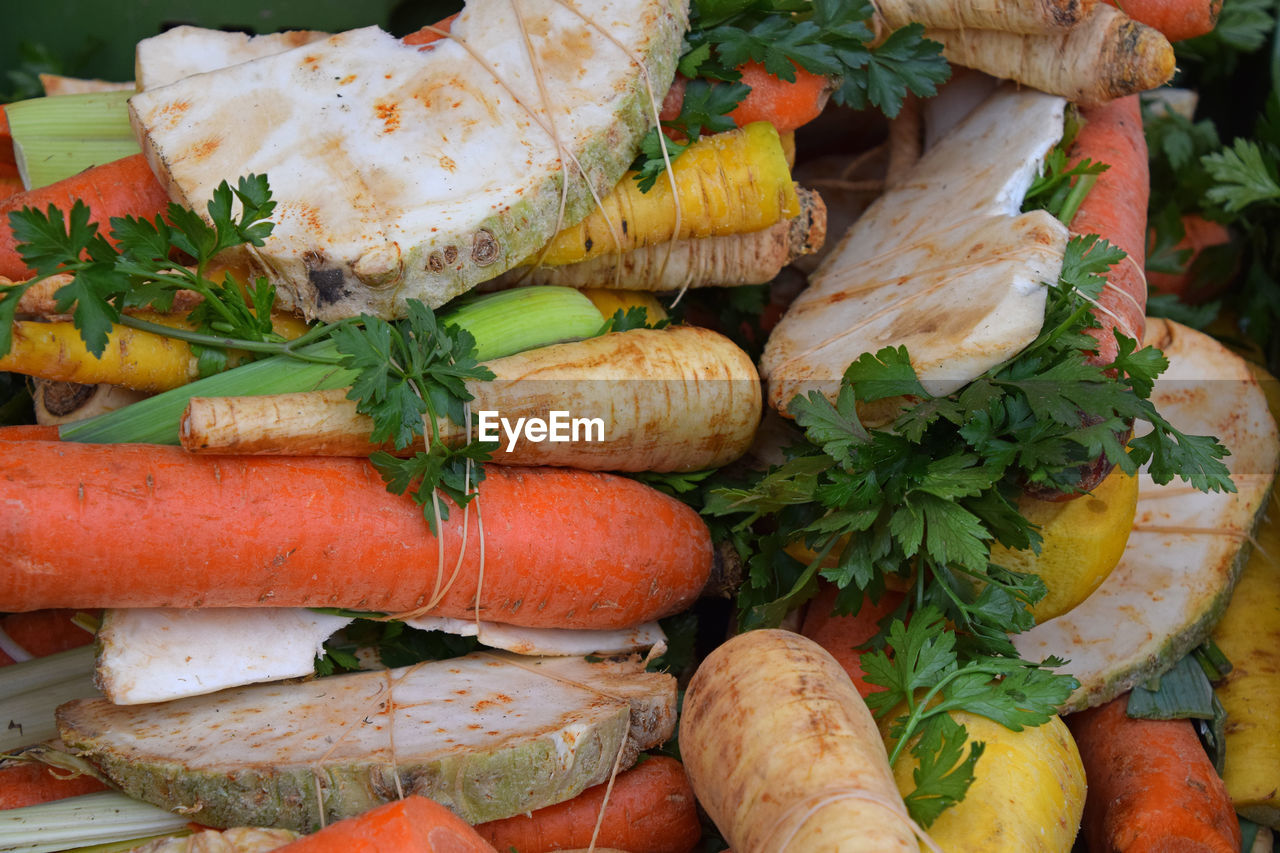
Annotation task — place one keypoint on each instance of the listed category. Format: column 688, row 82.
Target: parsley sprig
column 926, row 497
column 828, row 37
column 139, row 270
column 408, row 373
column 926, row 679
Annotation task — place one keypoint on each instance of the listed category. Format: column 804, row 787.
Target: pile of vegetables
column 910, row 485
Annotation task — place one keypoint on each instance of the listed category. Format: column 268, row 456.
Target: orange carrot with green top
column 133, row 525
column 1175, row 19
column 787, row 105
column 1152, row 788
column 29, row 783
column 651, row 809
column 412, row 825
column 124, row 187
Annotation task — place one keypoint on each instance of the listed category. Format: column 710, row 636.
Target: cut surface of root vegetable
column 395, row 194
column 63, row 402
column 944, row 264
column 508, row 735
column 184, row 51
column 1186, row 547
column 783, row 753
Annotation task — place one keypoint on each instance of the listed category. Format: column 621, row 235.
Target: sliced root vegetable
column 412, row 825
column 944, row 264
column 148, row 654
column 1106, row 56
column 725, row 183
column 183, row 51
column 751, row 257
column 1027, row 796
column 414, row 209
column 1249, row 635
column 63, row 402
column 676, row 399
column 99, row 525
column 783, row 753
column 1186, row 547
column 1014, row 16
column 1151, row 785
column 506, row 736
column 649, row 809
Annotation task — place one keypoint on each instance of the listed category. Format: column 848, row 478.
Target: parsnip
column 783, row 753
column 1106, row 56
column 63, row 402
column 752, row 257
column 725, row 183
column 1014, row 16
column 677, row 399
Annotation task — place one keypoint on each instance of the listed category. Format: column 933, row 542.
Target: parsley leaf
column 1244, row 176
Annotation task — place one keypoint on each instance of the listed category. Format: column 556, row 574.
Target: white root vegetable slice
column 943, row 264
column 417, row 173
column 488, row 735
column 154, row 654
column 181, row 52
column 1187, row 547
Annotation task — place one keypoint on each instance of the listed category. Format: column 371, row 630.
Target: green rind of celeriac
column 507, row 780
column 1096, row 693
column 1187, row 549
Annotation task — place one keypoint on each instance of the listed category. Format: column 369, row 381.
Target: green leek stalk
column 56, row 137
column 502, row 324
column 100, row 818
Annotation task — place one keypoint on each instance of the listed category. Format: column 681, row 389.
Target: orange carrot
column 10, row 179
column 29, row 783
column 412, row 825
column 651, row 809
column 430, row 33
column 841, row 635
column 772, row 99
column 29, row 432
column 1175, row 19
column 132, row 525
column 1116, row 209
column 42, row 632
column 1198, row 234
column 119, row 188
column 1152, row 788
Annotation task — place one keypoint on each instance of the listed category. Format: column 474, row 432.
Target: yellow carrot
column 726, row 183
column 141, row 361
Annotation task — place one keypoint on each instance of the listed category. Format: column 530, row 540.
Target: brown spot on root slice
column 484, row 248
column 63, row 398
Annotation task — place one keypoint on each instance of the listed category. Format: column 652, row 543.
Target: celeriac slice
column 943, row 264
column 403, row 172
column 154, row 654
column 181, row 52
column 1187, row 547
column 488, row 735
